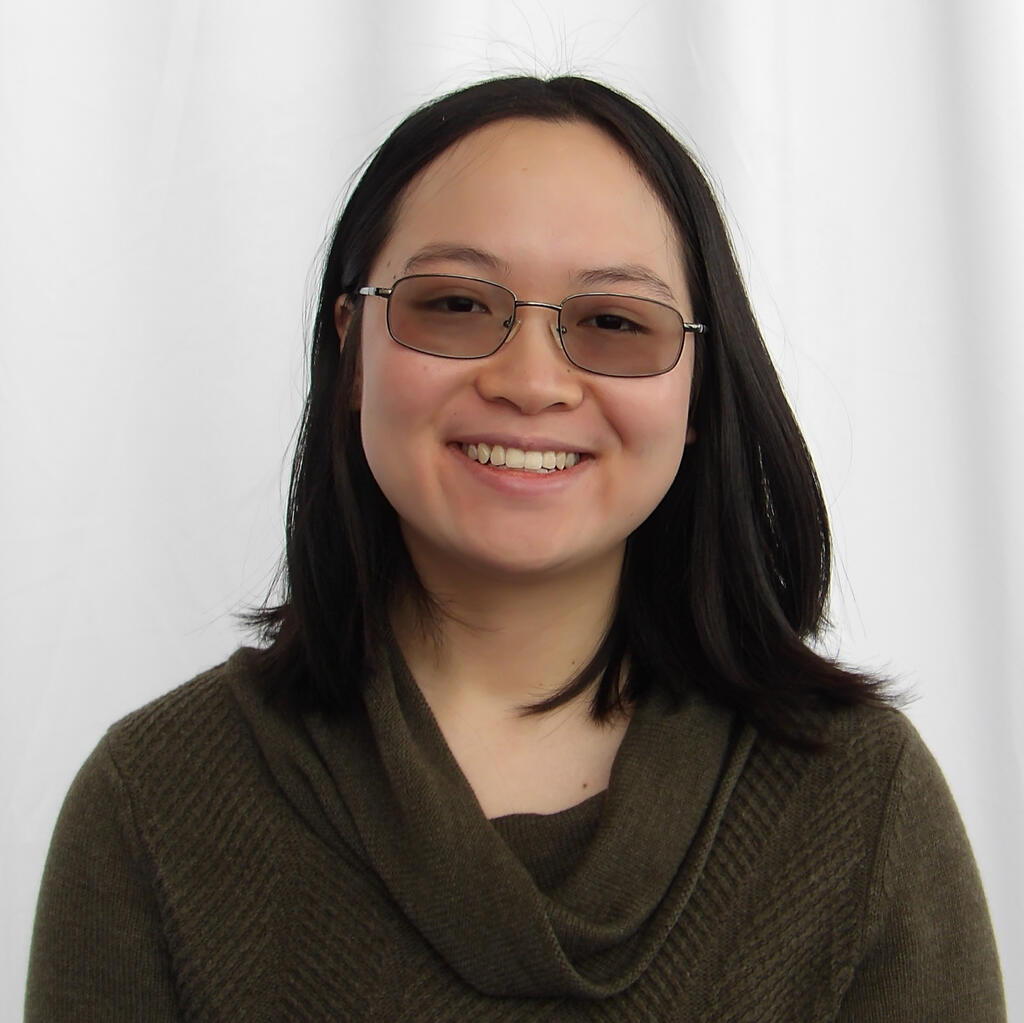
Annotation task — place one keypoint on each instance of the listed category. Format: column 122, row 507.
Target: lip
column 519, row 482
column 530, row 443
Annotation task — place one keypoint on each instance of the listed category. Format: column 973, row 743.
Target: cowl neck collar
column 386, row 785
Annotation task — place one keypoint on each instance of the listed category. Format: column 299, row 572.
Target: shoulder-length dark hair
column 724, row 585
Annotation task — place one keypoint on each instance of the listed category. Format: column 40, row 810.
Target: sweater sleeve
column 929, row 952
column 98, row 951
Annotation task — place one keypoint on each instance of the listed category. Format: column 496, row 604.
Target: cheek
column 402, row 395
column 652, row 428
column 391, row 377
column 384, row 416
column 653, row 422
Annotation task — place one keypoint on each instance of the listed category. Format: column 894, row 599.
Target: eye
column 452, row 304
column 615, row 323
column 601, row 318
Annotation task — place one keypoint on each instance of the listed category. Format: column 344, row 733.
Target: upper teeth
column 516, row 458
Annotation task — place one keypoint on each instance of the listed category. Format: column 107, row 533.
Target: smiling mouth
column 515, row 458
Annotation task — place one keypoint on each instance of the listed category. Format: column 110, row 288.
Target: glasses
column 458, row 317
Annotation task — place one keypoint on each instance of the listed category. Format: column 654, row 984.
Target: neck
column 504, row 642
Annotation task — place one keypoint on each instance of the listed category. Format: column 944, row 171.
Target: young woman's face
column 548, row 210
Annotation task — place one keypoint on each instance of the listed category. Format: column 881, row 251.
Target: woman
column 537, row 732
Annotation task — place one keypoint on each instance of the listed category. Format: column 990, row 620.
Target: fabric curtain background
column 167, row 176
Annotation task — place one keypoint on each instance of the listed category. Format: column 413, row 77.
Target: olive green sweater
column 220, row 860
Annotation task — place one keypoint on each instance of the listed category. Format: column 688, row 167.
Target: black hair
column 724, row 586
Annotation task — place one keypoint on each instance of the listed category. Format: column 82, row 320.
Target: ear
column 691, row 434
column 342, row 318
column 342, row 322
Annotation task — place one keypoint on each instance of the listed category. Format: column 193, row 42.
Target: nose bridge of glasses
column 540, row 305
column 514, row 322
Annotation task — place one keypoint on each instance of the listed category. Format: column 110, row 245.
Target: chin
column 532, row 563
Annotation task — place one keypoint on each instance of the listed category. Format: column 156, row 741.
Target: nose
column 530, row 371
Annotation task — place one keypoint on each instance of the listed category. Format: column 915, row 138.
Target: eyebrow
column 595, row 277
column 458, row 254
column 626, row 273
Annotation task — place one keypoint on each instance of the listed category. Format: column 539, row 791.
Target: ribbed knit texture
column 218, row 860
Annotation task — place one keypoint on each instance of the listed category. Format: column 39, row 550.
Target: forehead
column 553, row 195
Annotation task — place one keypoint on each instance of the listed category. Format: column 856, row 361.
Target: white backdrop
column 168, row 173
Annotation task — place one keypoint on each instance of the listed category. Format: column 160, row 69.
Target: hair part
column 724, row 586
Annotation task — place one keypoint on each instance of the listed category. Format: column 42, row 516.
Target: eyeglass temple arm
column 379, row 292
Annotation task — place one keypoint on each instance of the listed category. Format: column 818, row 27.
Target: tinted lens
column 621, row 336
column 457, row 317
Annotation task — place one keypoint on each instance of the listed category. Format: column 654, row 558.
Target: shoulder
column 918, row 814
column 922, row 866
column 867, row 795
column 880, row 748
column 189, row 736
column 204, row 775
column 924, row 944
column 192, row 709
column 873, row 745
column 868, row 726
column 861, row 748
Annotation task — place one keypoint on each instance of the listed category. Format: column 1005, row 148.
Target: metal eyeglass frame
column 688, row 328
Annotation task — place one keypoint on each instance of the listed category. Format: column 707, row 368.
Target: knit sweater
column 219, row 859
